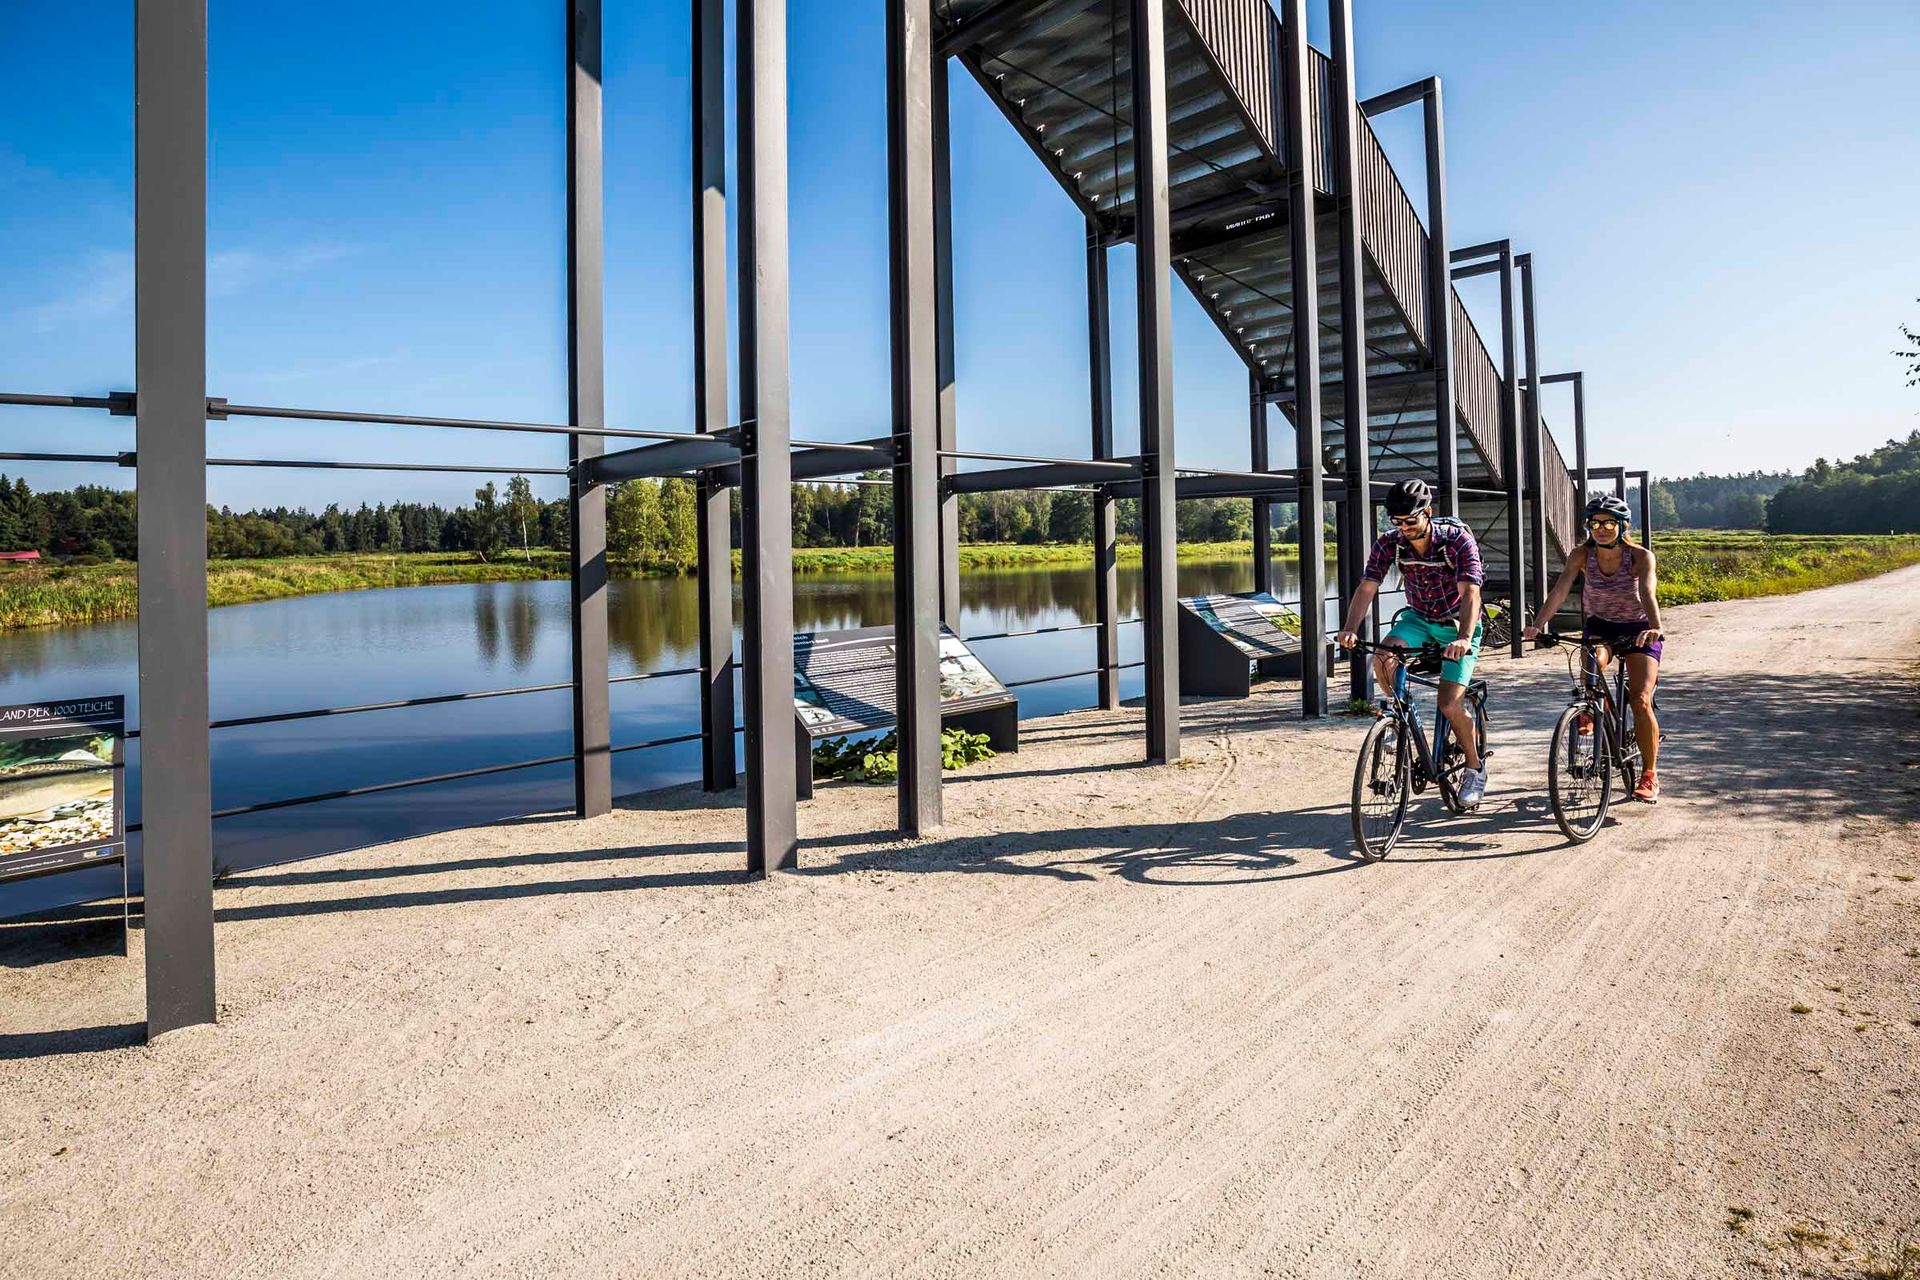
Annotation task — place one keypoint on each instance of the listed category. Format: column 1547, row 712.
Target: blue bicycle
column 1396, row 762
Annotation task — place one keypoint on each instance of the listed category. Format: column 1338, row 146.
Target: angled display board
column 1223, row 636
column 62, row 798
column 843, row 683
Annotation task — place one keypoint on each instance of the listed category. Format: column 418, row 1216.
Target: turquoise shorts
column 1414, row 631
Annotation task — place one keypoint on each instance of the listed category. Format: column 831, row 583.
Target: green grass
column 56, row 595
column 1694, row 567
column 1703, row 566
column 998, row 555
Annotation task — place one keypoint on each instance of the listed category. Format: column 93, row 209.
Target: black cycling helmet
column 1605, row 504
column 1408, row 497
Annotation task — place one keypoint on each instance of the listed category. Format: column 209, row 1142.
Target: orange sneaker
column 1583, row 724
column 1649, row 788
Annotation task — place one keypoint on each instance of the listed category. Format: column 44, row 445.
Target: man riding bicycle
column 1622, row 614
column 1439, row 564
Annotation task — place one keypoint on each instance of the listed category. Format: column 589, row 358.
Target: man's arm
column 1469, row 619
column 1362, row 601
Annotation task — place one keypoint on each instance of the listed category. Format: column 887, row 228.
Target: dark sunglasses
column 1407, row 522
column 1603, row 524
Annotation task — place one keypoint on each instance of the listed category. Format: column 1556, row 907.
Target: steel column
column 916, row 411
column 1106, row 555
column 1578, row 379
column 586, row 407
column 1580, row 431
column 1534, row 441
column 765, row 466
column 1645, row 481
column 1440, row 303
column 170, row 365
column 949, row 432
column 714, row 501
column 1354, row 526
column 1304, row 263
column 1153, row 261
column 1512, row 456
column 1261, row 453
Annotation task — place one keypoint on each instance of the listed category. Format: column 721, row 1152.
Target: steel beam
column 915, row 313
column 1513, row 459
column 714, row 514
column 1645, row 480
column 1356, row 529
column 668, row 458
column 1535, row 437
column 1405, row 96
column 1261, row 456
column 1472, row 270
column 944, row 339
column 995, row 19
column 586, row 407
column 1106, row 553
column 170, row 366
column 766, row 498
column 1304, row 264
column 1440, row 305
column 1153, row 261
column 1045, row 475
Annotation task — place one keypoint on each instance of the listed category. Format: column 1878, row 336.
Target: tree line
column 1876, row 492
column 648, row 521
column 1737, row 501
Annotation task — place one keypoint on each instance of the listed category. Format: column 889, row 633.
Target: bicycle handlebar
column 1548, row 639
column 1427, row 650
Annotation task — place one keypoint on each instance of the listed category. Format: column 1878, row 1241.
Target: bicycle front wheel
column 1382, row 788
column 1579, row 780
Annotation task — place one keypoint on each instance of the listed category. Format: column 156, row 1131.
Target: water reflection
column 381, row 646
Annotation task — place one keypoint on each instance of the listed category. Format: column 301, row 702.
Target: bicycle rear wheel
column 1382, row 788
column 1579, row 777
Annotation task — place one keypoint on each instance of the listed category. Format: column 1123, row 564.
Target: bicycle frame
column 1428, row 766
column 1607, row 703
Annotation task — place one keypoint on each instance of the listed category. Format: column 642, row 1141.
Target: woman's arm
column 1576, row 564
column 1649, row 586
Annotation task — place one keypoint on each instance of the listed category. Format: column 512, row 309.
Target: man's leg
column 1384, row 664
column 1643, row 673
column 1453, row 705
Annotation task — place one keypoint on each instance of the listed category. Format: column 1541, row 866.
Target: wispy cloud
column 314, row 370
column 232, row 272
column 102, row 285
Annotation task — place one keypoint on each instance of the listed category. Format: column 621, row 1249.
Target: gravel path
column 1114, row 1020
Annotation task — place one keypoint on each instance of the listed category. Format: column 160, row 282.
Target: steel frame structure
column 757, row 454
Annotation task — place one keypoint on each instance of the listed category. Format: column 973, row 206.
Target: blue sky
column 1723, row 200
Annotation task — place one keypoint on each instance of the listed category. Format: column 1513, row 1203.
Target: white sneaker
column 1473, row 788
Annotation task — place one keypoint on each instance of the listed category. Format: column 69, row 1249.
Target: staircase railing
column 1477, row 389
column 1560, row 494
column 1395, row 240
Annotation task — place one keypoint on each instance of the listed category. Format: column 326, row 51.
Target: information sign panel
column 843, row 681
column 1255, row 623
column 61, row 786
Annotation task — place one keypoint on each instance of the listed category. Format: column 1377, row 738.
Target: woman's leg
column 1643, row 673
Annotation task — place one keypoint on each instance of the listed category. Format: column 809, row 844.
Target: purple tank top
column 1614, row 597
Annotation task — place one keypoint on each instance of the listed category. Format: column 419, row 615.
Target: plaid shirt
column 1432, row 581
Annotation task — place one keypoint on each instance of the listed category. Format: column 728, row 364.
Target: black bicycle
column 1591, row 742
column 1396, row 762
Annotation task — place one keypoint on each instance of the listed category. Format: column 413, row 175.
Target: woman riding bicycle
column 1622, row 614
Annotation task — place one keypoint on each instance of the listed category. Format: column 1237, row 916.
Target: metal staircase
column 1060, row 71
